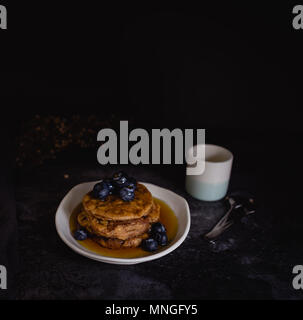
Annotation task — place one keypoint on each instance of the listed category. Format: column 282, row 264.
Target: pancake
column 114, row 208
column 120, row 244
column 123, row 229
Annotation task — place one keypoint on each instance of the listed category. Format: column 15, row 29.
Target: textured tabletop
column 248, row 261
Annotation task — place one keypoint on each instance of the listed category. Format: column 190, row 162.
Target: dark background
column 234, row 69
column 221, row 66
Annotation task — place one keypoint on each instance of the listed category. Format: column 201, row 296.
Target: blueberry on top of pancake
column 114, row 208
column 120, row 184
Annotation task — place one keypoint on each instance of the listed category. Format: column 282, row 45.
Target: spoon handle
column 222, row 225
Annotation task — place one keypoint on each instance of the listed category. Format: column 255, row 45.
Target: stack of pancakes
column 115, row 223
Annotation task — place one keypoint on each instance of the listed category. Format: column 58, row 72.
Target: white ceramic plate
column 72, row 199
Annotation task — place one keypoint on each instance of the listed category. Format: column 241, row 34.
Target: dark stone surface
column 249, row 261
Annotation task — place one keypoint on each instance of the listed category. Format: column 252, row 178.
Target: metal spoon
column 239, row 208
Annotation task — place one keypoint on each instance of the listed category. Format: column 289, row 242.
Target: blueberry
column 120, row 179
column 101, row 190
column 110, row 185
column 127, row 193
column 149, row 244
column 131, row 182
column 80, row 235
column 130, row 188
column 157, row 227
column 161, row 238
column 96, row 189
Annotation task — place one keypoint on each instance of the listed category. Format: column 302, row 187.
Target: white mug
column 213, row 183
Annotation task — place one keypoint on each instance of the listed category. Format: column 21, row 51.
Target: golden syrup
column 167, row 218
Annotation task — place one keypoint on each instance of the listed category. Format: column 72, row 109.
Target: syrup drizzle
column 167, row 218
